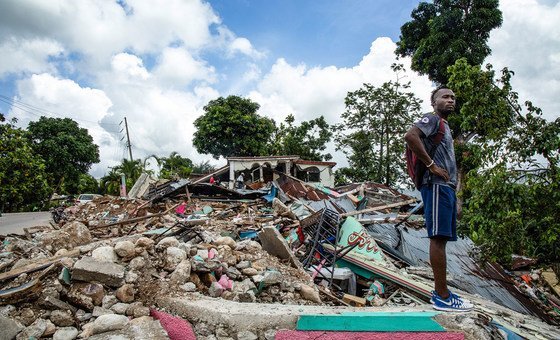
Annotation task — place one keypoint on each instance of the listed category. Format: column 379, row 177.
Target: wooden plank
column 354, row 300
column 382, row 207
column 371, row 321
column 37, row 265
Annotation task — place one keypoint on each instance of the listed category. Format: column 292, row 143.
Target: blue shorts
column 440, row 211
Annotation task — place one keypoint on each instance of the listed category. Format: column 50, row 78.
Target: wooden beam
column 382, row 207
column 37, row 265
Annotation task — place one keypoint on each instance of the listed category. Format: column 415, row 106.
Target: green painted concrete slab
column 372, row 321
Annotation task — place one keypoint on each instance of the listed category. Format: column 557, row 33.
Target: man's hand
column 436, row 170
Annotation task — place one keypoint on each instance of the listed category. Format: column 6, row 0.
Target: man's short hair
column 441, row 87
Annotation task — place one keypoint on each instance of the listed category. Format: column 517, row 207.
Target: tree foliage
column 111, row 182
column 446, row 30
column 308, row 140
column 375, row 120
column 511, row 196
column 67, row 150
column 231, row 127
column 23, row 180
column 175, row 166
column 203, row 167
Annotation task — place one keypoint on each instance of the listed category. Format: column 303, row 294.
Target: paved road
column 15, row 222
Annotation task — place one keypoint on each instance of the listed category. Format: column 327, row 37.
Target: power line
column 33, row 110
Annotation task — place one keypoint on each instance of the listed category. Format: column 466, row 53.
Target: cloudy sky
column 159, row 62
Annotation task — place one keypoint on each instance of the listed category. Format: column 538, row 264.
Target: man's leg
column 438, row 260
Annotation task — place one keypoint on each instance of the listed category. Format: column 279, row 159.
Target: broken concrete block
column 35, row 330
column 181, row 273
column 188, row 287
column 109, row 322
column 10, row 328
column 65, row 333
column 167, row 242
column 272, row 277
column 109, row 301
column 137, row 263
column 144, row 242
column 246, row 335
column 90, row 270
column 273, row 242
column 250, row 271
column 98, row 311
column 225, row 240
column 309, row 293
column 104, row 254
column 120, row 308
column 95, row 291
column 173, row 257
column 125, row 293
column 215, row 289
column 125, row 249
column 62, row 318
column 49, row 331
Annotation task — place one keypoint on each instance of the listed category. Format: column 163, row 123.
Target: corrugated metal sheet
column 490, row 282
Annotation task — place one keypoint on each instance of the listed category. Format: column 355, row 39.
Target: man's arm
column 413, row 139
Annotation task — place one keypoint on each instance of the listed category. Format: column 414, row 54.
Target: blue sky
column 315, row 32
column 97, row 61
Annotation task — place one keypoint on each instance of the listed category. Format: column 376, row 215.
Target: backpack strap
column 441, row 132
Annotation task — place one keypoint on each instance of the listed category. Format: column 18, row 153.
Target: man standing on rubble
column 438, row 192
column 240, row 181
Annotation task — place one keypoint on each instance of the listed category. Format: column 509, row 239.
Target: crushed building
column 187, row 258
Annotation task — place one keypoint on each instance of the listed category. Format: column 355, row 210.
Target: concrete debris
column 236, row 273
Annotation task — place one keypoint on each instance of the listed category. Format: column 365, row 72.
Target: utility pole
column 128, row 140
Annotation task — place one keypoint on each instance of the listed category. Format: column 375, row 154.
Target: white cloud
column 177, row 68
column 528, row 43
column 311, row 92
column 129, row 67
column 28, row 55
column 151, row 64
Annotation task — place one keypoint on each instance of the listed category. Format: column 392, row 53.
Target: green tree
column 88, row 184
column 175, row 166
column 23, row 180
column 374, row 123
column 110, row 183
column 308, row 140
column 67, row 149
column 204, row 167
column 511, row 163
column 446, row 30
column 231, row 127
column 131, row 170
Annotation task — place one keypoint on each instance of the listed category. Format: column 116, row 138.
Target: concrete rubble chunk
column 246, row 335
column 62, row 318
column 120, row 308
column 98, row 311
column 125, row 293
column 310, row 293
column 10, row 328
column 167, row 242
column 35, row 330
column 275, row 244
column 225, row 240
column 104, row 254
column 174, row 256
column 90, row 270
column 181, row 274
column 109, row 322
column 65, row 333
column 49, row 331
column 125, row 249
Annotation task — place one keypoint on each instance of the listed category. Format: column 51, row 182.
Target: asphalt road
column 15, row 222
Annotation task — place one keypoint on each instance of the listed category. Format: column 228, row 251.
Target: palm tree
column 111, row 182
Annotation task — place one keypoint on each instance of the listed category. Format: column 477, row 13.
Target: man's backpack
column 417, row 169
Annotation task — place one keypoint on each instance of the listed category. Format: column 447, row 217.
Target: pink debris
column 225, row 282
column 176, row 328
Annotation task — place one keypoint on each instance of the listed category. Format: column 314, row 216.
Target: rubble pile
column 102, row 281
column 101, row 272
